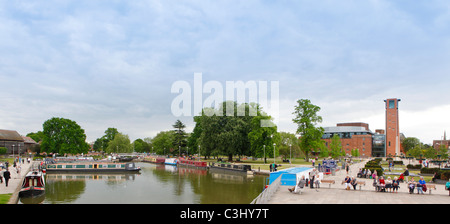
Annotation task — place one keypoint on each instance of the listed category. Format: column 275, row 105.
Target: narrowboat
column 125, row 158
column 33, row 185
column 240, row 168
column 171, row 161
column 152, row 159
column 91, row 167
column 192, row 163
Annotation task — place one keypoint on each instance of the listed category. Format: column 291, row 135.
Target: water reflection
column 156, row 184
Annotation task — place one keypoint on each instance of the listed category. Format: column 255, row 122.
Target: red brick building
column 353, row 136
column 438, row 143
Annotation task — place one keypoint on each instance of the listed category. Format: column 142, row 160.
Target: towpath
column 15, row 182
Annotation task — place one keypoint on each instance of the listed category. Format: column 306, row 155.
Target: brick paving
column 336, row 194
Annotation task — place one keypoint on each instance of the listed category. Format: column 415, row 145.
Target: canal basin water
column 156, row 184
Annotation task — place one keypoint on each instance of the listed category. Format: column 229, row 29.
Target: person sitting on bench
column 301, row 183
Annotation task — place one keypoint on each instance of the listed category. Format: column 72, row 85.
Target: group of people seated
column 419, row 185
column 314, row 181
column 350, row 182
column 383, row 185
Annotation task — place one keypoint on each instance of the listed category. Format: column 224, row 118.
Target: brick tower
column 392, row 127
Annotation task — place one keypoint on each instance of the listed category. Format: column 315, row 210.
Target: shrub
column 445, row 175
column 3, row 150
column 430, row 170
column 414, row 167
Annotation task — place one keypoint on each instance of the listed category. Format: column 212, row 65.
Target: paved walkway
column 336, row 194
column 15, row 182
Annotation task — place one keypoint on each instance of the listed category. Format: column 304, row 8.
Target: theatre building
column 381, row 143
column 353, row 136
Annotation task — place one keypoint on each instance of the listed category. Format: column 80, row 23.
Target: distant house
column 12, row 141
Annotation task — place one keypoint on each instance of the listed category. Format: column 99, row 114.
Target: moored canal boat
column 154, row 159
column 192, row 163
column 91, row 167
column 33, row 185
column 238, row 168
column 171, row 161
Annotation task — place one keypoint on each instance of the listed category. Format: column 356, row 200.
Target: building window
column 391, row 104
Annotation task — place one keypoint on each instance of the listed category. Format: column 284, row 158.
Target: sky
column 112, row 63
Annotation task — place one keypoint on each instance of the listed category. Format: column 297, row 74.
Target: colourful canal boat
column 192, row 163
column 91, row 167
column 33, row 185
column 171, row 161
column 154, row 159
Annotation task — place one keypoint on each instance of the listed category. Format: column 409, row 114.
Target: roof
column 9, row 135
column 28, row 140
column 345, row 129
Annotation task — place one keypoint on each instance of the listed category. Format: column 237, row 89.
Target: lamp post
column 199, row 157
column 290, row 154
column 13, row 150
column 274, row 144
column 264, row 154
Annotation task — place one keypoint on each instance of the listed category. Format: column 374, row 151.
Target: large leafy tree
column 336, row 147
column 262, row 138
column 120, row 144
column 410, row 143
column 307, row 119
column 63, row 136
column 163, row 142
column 288, row 145
column 102, row 143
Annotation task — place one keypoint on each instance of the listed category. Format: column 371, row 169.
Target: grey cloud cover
column 112, row 63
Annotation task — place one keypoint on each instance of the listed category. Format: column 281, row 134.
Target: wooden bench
column 431, row 186
column 357, row 183
column 328, row 182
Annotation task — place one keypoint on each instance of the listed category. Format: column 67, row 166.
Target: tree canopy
column 306, row 118
column 63, row 136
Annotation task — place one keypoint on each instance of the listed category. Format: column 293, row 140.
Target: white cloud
column 106, row 63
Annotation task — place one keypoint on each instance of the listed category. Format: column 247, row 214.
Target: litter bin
column 333, row 171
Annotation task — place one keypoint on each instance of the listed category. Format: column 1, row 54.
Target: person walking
column 7, row 176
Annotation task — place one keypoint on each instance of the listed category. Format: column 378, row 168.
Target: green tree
column 179, row 136
column 336, row 147
column 102, row 143
column 63, row 136
column 355, row 152
column 262, row 138
column 37, row 137
column 288, row 144
column 306, row 118
column 163, row 142
column 410, row 143
column 120, row 144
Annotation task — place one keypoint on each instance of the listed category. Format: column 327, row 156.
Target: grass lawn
column 4, row 198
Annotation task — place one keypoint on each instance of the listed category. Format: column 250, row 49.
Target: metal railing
column 266, row 195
